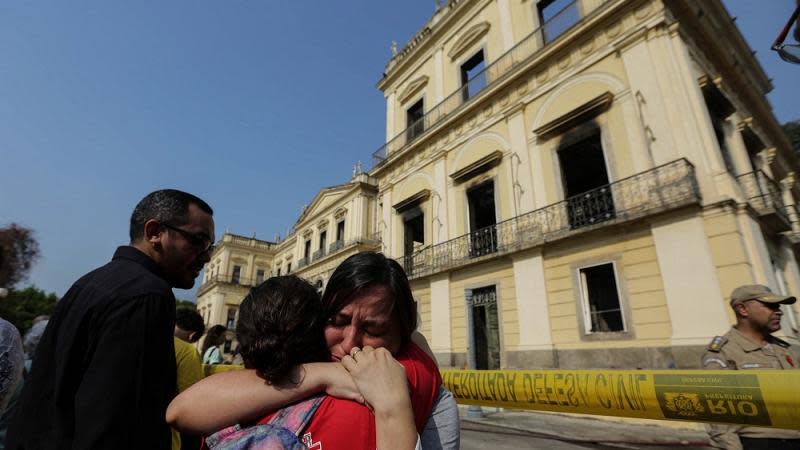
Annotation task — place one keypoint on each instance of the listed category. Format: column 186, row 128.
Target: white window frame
column 586, row 305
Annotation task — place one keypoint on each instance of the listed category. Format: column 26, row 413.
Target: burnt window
column 413, row 236
column 340, row 231
column 601, row 305
column 556, row 17
column 473, row 76
column 415, row 123
column 237, row 272
column 482, row 219
column 585, row 178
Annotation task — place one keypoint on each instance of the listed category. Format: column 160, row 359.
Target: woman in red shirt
column 367, row 303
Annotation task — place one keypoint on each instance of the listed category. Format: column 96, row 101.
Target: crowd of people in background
column 116, row 364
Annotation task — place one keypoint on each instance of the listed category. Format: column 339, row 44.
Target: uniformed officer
column 750, row 345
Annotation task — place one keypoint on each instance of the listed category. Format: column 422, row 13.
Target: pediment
column 324, row 199
column 468, row 38
column 413, row 87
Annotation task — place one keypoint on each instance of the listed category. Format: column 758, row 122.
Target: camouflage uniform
column 735, row 351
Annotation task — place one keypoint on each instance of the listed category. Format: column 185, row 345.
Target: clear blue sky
column 252, row 105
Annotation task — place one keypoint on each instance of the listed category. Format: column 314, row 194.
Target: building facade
column 575, row 184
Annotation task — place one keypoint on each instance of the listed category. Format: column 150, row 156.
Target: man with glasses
column 104, row 370
column 750, row 345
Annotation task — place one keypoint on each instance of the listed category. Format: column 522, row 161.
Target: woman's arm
column 382, row 380
column 228, row 398
column 443, row 430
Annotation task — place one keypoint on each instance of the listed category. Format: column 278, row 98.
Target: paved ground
column 500, row 430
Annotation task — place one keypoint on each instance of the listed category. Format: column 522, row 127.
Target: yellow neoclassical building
column 567, row 184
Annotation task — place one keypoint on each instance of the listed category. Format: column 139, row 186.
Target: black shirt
column 104, row 370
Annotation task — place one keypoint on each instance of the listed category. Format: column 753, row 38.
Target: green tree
column 18, row 252
column 21, row 307
column 180, row 303
column 792, row 130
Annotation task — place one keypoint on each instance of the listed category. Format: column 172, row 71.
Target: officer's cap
column 758, row 292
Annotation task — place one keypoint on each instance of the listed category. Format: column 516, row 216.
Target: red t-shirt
column 344, row 424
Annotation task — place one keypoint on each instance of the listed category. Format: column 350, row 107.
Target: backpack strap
column 296, row 417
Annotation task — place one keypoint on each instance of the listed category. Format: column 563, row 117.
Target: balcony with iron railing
column 229, row 279
column 793, row 213
column 501, row 69
column 661, row 189
column 337, row 247
column 302, row 262
column 247, row 242
column 766, row 198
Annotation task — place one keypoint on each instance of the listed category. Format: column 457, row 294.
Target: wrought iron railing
column 763, row 194
column 497, row 70
column 226, row 279
column 249, row 242
column 336, row 246
column 672, row 185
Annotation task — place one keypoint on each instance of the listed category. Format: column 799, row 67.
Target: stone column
column 439, row 205
column 660, row 75
column 790, row 322
column 506, row 25
column 756, row 246
column 638, row 130
column 441, row 333
column 694, row 300
column 389, row 244
column 535, row 149
column 520, row 162
column 438, row 79
column 789, row 200
column 390, row 116
column 738, row 148
column 767, row 157
column 251, row 268
column 532, row 310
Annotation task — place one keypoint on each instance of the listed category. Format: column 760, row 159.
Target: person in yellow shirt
column 189, row 327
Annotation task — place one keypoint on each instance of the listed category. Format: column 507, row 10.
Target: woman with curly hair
column 281, row 326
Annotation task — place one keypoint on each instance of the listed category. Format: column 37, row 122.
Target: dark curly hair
column 280, row 326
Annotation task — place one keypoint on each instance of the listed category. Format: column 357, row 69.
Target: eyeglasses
column 198, row 240
column 789, row 53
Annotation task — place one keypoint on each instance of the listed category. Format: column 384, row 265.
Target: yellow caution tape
column 763, row 398
column 752, row 397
